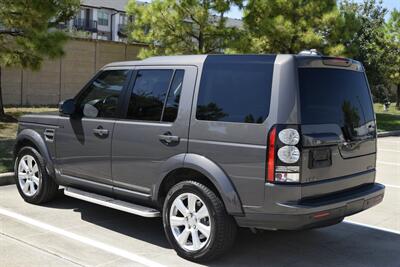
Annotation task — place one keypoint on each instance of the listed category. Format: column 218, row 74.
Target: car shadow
column 340, row 245
column 146, row 229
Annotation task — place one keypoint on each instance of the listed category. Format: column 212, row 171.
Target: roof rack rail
column 311, row 52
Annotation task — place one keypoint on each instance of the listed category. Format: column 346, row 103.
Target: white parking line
column 392, row 186
column 388, row 141
column 373, row 227
column 102, row 246
column 388, row 150
column 388, row 163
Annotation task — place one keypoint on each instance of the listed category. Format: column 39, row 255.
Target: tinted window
column 148, row 95
column 235, row 89
column 174, row 94
column 104, row 92
column 334, row 96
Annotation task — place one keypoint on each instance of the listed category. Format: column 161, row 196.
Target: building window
column 102, row 18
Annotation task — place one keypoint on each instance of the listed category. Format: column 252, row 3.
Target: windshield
column 336, row 96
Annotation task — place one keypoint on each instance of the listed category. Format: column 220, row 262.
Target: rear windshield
column 336, row 96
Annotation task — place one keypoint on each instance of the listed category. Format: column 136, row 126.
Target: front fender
column 35, row 138
column 220, row 180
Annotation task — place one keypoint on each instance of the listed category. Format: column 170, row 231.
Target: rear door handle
column 168, row 139
column 101, row 132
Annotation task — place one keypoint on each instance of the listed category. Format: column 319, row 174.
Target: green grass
column 387, row 120
column 8, row 132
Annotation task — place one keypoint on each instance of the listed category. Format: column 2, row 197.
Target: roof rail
column 311, row 52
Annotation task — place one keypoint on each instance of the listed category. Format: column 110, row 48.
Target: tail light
column 271, row 156
column 283, row 156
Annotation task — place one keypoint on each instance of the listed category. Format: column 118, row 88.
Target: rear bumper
column 316, row 212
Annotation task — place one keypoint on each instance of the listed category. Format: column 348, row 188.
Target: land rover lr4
column 211, row 142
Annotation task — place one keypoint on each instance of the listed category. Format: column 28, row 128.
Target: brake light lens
column 337, row 61
column 271, row 155
column 283, row 162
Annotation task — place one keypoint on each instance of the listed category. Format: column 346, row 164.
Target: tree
column 368, row 43
column 393, row 37
column 28, row 33
column 181, row 27
column 289, row 26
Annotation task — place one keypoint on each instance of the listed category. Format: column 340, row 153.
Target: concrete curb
column 391, row 133
column 7, row 178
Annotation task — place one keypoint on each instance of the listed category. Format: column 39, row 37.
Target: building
column 61, row 78
column 99, row 19
column 107, row 20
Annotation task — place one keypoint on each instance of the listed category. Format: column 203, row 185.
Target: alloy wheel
column 190, row 222
column 28, row 175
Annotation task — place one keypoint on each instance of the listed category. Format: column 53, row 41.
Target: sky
column 389, row 4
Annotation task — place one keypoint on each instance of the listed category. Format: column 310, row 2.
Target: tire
column 33, row 182
column 219, row 224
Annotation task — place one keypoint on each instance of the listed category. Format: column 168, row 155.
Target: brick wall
column 62, row 78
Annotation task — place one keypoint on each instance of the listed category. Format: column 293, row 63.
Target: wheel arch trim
column 35, row 138
column 211, row 171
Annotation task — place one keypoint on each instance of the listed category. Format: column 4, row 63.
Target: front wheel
column 32, row 180
column 196, row 223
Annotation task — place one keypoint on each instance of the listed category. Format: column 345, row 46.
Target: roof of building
column 118, row 5
column 234, row 23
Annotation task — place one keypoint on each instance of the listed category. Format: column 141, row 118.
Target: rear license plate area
column 320, row 158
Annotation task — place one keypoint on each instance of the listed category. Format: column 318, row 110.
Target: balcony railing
column 85, row 25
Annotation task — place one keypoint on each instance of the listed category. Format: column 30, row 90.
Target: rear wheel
column 196, row 222
column 33, row 183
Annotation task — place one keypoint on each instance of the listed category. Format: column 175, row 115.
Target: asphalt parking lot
column 70, row 232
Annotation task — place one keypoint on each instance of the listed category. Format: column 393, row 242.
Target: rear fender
column 220, row 180
column 208, row 169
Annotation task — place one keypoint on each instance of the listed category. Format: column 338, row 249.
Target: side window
column 148, row 95
column 104, row 92
column 235, row 89
column 174, row 95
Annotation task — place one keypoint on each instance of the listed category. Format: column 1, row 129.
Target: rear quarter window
column 235, row 89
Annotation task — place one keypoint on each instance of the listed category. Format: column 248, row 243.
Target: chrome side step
column 112, row 203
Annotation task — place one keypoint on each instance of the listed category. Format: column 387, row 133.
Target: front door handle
column 101, row 132
column 169, row 139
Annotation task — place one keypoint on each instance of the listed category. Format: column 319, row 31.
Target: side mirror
column 67, row 107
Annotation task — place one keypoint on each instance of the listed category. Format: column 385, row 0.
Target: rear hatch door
column 337, row 118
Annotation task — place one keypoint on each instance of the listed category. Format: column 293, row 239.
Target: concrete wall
column 62, row 78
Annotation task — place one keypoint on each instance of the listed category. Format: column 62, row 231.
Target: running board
column 112, row 203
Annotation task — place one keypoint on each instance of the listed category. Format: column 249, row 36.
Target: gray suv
column 209, row 143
